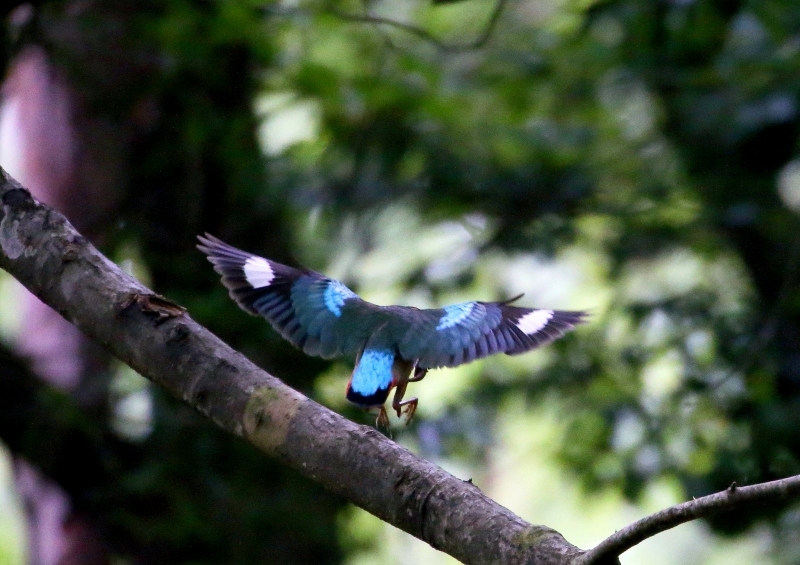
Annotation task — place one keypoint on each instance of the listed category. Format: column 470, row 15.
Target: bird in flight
column 393, row 345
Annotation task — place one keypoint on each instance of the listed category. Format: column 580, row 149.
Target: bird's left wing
column 460, row 333
column 317, row 314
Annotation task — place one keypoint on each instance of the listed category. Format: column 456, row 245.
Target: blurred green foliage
column 636, row 158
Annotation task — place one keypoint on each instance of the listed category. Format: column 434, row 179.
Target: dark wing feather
column 317, row 314
column 457, row 334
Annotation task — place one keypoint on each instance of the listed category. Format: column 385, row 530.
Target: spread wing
column 314, row 313
column 460, row 333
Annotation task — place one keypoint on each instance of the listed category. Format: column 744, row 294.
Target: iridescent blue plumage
column 395, row 345
column 373, row 372
column 454, row 315
column 335, row 296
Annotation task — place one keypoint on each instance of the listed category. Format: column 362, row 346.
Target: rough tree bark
column 40, row 248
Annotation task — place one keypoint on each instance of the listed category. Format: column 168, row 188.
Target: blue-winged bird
column 393, row 345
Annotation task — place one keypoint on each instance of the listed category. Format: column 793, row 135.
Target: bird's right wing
column 460, row 333
column 316, row 314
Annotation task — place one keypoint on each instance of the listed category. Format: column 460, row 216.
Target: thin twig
column 733, row 498
column 477, row 43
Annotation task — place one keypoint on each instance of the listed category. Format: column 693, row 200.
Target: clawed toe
column 407, row 408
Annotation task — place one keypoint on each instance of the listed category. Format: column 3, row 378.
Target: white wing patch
column 534, row 321
column 258, row 272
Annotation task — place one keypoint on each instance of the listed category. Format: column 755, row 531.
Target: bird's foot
column 407, row 408
column 383, row 418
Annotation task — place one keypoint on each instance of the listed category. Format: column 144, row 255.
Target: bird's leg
column 383, row 418
column 401, row 376
column 398, row 402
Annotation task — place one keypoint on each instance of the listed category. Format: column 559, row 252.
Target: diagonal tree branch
column 157, row 338
column 733, row 498
column 40, row 248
